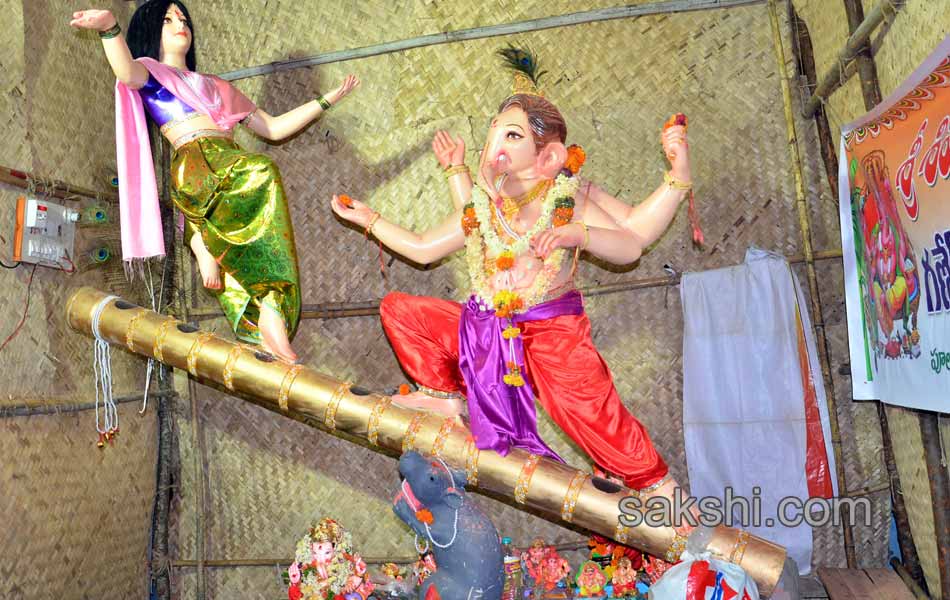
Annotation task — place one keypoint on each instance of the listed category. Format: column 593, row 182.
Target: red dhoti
column 569, row 377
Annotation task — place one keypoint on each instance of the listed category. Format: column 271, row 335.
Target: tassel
column 694, row 220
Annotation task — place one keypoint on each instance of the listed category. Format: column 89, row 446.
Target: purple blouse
column 161, row 104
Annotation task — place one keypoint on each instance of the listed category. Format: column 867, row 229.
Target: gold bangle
column 324, row 103
column 586, row 235
column 675, row 183
column 371, row 224
column 455, row 170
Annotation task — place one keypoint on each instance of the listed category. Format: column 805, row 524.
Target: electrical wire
column 29, row 288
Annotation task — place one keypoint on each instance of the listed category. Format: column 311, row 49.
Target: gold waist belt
column 200, row 133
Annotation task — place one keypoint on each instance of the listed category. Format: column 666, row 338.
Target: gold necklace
column 511, row 205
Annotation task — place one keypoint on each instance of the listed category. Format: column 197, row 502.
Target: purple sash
column 501, row 415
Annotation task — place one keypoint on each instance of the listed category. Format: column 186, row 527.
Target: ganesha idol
column 325, row 566
column 893, row 280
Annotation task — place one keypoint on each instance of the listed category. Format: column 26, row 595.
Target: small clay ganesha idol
column 325, row 566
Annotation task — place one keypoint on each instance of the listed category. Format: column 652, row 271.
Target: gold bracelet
column 324, row 103
column 371, row 224
column 455, row 170
column 675, row 183
column 586, row 235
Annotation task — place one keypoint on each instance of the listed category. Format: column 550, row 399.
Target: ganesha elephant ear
column 551, row 160
column 452, row 498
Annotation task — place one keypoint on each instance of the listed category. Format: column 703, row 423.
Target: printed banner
column 894, row 180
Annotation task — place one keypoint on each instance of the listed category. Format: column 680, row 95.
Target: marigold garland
column 575, row 158
column 557, row 210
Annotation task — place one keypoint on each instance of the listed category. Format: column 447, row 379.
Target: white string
column 150, row 288
column 455, row 524
column 102, row 368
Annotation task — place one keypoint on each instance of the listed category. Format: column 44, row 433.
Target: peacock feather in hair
column 526, row 67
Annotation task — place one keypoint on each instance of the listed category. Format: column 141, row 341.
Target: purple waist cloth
column 501, row 415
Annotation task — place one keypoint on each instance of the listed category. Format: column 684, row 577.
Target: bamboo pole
column 338, row 310
column 553, row 489
column 31, row 408
column 939, row 478
column 814, row 294
column 476, row 33
column 871, row 94
column 836, row 76
column 52, row 187
column 805, row 53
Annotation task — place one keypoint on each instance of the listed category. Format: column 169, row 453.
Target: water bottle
column 512, row 587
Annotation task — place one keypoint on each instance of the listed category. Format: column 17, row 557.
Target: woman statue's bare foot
column 450, row 407
column 207, row 265
column 274, row 335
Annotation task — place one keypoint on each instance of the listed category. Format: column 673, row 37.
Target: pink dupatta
column 139, row 215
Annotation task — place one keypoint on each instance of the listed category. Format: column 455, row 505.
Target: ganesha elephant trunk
column 493, row 168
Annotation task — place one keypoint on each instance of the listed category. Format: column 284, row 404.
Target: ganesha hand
column 567, row 236
column 676, row 149
column 98, row 20
column 353, row 211
column 449, row 152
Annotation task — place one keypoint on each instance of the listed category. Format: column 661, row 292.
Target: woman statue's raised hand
column 98, row 20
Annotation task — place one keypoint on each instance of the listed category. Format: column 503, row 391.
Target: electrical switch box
column 45, row 233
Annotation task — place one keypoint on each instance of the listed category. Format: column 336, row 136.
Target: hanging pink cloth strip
column 139, row 213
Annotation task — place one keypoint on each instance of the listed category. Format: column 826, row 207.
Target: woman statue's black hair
column 144, row 36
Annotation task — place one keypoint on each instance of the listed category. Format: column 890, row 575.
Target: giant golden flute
column 339, row 407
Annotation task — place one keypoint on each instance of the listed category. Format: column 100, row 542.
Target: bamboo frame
column 57, row 189
column 475, row 33
column 29, row 409
column 838, row 74
column 369, row 308
column 814, row 293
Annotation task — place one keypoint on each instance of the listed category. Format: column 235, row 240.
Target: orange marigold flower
column 677, row 119
column 505, row 261
column 346, row 201
column 425, row 516
column 404, row 389
column 575, row 158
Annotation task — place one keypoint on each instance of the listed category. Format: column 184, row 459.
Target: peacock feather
column 522, row 61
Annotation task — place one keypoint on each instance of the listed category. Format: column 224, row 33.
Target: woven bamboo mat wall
column 75, row 520
column 619, row 83
column 910, row 37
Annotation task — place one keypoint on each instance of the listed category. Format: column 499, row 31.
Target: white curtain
column 744, row 399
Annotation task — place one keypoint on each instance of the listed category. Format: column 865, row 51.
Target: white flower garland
column 486, row 236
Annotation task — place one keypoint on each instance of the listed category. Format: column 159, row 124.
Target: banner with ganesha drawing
column 894, row 174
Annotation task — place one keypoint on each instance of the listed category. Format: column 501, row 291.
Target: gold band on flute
column 409, row 440
column 228, row 372
column 439, row 444
column 620, row 533
column 372, row 426
column 159, row 344
column 573, row 491
column 676, row 548
column 738, row 551
column 129, row 340
column 471, row 461
column 524, row 479
column 329, row 417
column 195, row 350
column 285, row 384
